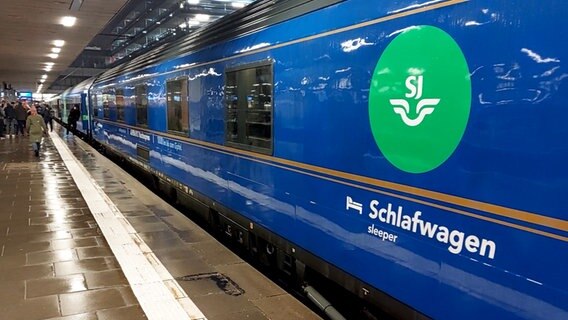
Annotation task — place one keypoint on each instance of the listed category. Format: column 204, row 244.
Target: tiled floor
column 55, row 263
column 185, row 250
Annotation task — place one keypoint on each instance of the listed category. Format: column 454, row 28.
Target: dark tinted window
column 120, row 104
column 248, row 93
column 98, row 104
column 94, row 105
column 178, row 109
column 141, row 105
column 109, row 101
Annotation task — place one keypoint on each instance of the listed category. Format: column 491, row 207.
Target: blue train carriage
column 411, row 151
column 78, row 95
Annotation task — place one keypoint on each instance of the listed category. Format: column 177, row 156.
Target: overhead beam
column 76, row 5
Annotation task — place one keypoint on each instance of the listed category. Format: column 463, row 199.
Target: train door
column 84, row 120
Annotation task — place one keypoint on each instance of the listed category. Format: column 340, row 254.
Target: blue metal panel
column 157, row 113
column 206, row 104
column 129, row 105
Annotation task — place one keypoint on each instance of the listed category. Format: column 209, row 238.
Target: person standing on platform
column 21, row 115
column 48, row 116
column 27, row 107
column 36, row 129
column 10, row 119
column 74, row 115
column 2, row 117
column 39, row 108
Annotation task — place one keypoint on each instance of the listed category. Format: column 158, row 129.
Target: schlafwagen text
column 457, row 240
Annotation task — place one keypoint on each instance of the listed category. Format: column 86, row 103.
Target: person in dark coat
column 2, row 116
column 21, row 115
column 48, row 116
column 10, row 119
column 74, row 115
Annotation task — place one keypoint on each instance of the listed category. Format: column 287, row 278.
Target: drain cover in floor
column 223, row 282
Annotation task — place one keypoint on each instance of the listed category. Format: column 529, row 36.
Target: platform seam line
column 154, row 295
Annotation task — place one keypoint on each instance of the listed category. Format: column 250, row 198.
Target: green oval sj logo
column 420, row 99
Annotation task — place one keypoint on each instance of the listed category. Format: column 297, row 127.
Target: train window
column 94, row 105
column 119, row 104
column 248, row 94
column 178, row 108
column 142, row 105
column 109, row 102
column 106, row 109
column 99, row 105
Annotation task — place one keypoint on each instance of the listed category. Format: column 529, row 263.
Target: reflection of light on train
column 268, row 128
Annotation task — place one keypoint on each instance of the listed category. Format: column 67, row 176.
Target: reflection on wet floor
column 187, row 251
column 54, row 261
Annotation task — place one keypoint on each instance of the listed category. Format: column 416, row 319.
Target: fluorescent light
column 202, row 17
column 59, row 43
column 189, row 23
column 44, row 76
column 193, row 1
column 53, row 55
column 50, row 63
column 68, row 21
column 238, row 5
column 42, row 80
column 47, row 69
column 55, row 50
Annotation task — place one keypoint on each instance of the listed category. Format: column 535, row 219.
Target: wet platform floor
column 56, row 264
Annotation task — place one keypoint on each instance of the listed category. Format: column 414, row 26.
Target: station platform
column 82, row 239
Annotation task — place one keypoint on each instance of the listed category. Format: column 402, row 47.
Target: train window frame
column 93, row 104
column 136, row 102
column 120, row 107
column 99, row 103
column 173, row 131
column 244, row 145
column 68, row 104
column 107, row 103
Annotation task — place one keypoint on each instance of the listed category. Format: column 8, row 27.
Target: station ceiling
column 106, row 33
column 29, row 27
